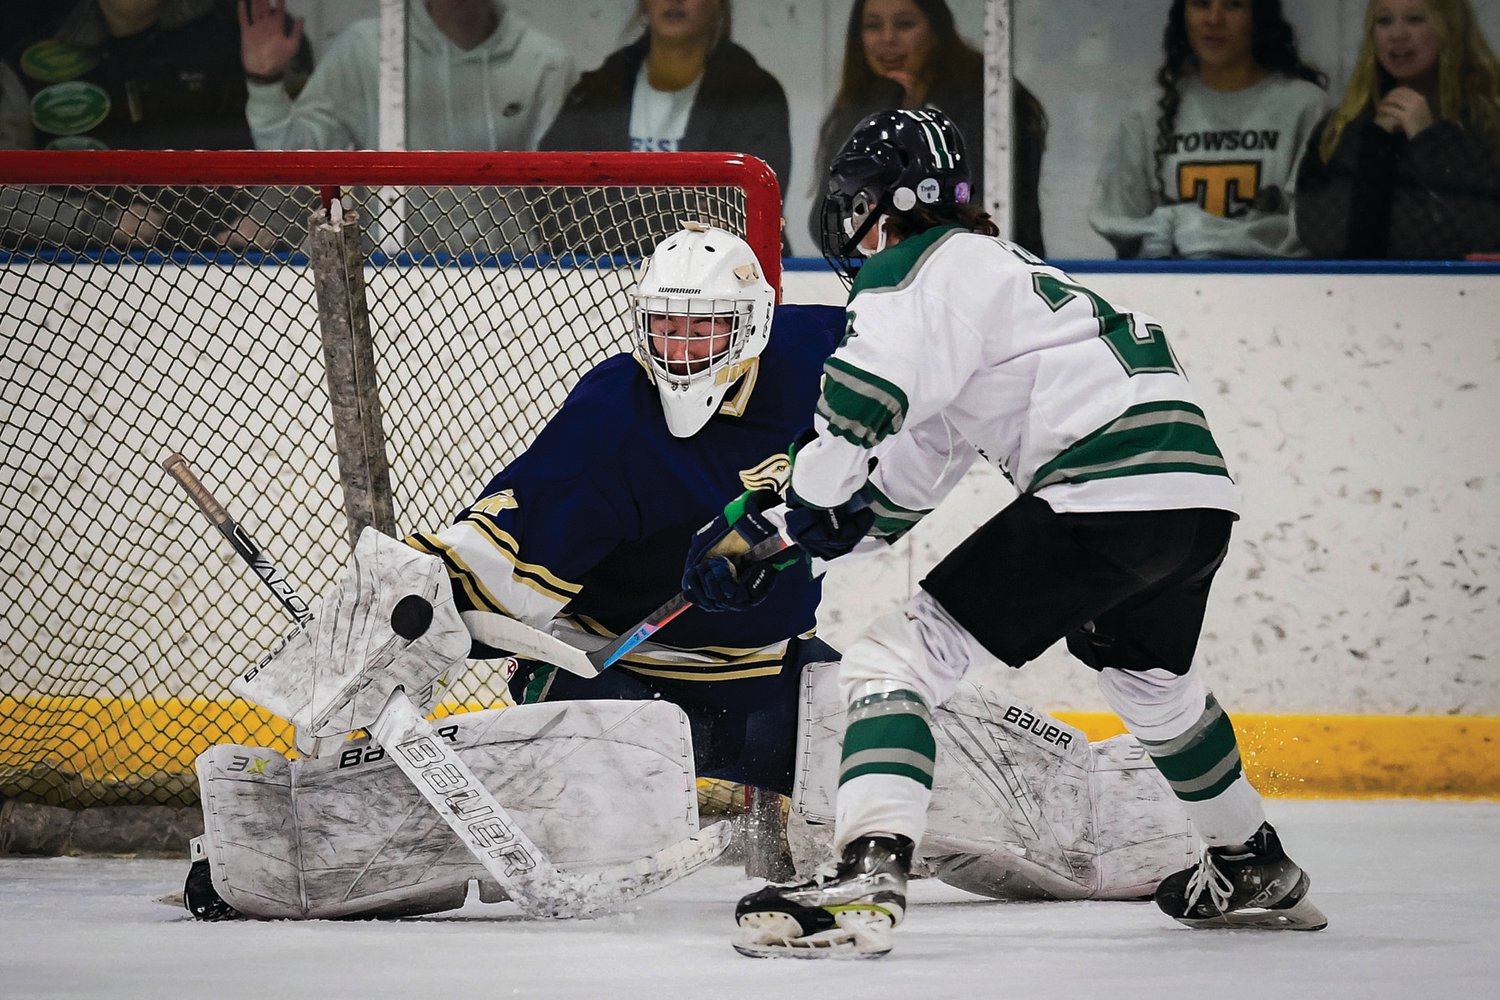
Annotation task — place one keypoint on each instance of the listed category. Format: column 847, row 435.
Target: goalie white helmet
column 702, row 317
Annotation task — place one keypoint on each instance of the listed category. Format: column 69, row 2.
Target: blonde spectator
column 1408, row 165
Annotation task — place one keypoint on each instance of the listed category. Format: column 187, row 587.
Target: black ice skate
column 847, row 910
column 1255, row 886
column 202, row 899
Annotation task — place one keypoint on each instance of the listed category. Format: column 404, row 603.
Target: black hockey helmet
column 893, row 161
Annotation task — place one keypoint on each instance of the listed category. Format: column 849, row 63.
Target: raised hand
column 266, row 47
column 1404, row 109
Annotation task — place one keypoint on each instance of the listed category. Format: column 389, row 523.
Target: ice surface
column 1411, row 890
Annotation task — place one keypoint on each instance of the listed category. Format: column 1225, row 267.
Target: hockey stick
column 764, row 549
column 239, row 539
column 647, row 627
column 275, row 580
column 448, row 785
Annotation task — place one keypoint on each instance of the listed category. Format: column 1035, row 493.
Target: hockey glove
column 830, row 533
column 826, row 533
column 713, row 578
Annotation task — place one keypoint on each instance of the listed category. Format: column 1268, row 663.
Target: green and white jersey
column 961, row 345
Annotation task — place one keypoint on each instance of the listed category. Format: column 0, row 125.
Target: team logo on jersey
column 772, row 474
column 1221, row 188
column 495, row 503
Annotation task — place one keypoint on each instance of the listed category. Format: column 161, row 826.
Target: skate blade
column 776, row 935
column 1302, row 917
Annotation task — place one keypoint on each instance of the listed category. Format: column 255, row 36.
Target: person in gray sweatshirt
column 1205, row 166
column 478, row 77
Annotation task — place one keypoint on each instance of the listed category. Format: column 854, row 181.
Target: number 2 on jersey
column 1140, row 348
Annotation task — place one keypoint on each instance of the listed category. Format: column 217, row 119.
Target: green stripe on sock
column 898, row 741
column 1203, row 763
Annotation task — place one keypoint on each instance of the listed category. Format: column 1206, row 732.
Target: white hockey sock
column 1192, row 742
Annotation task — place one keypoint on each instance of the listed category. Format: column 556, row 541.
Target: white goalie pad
column 593, row 783
column 1023, row 806
column 333, row 676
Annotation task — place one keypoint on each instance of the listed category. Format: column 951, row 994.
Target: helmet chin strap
column 856, row 240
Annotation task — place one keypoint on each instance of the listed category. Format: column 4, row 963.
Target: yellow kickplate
column 1288, row 756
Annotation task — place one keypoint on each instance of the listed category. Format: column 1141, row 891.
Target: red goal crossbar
column 331, row 170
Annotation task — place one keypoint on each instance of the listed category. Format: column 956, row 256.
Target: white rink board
column 1359, row 413
column 1356, row 411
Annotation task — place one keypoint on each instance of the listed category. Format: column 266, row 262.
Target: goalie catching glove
column 714, row 579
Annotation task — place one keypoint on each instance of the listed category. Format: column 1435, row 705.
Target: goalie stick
column 448, row 785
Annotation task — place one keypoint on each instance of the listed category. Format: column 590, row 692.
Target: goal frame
column 332, row 171
column 332, row 175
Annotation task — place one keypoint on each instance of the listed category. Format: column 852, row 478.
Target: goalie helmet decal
column 702, row 317
column 893, row 161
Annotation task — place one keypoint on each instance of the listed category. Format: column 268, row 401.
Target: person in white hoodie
column 478, row 78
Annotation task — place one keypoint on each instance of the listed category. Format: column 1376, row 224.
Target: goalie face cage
column 157, row 302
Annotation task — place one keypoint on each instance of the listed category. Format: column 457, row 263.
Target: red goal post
column 153, row 302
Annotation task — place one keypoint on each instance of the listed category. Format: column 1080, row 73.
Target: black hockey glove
column 828, row 533
column 831, row 532
column 714, row 579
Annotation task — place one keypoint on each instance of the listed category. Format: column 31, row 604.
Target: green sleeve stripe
column 1146, row 439
column 891, row 519
column 735, row 509
column 1205, row 756
column 1203, row 761
column 537, row 687
column 860, row 407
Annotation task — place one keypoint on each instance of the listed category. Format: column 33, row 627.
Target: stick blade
column 504, row 632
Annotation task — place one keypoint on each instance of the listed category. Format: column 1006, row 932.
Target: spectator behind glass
column 1408, row 165
column 478, row 77
column 130, row 74
column 682, row 86
column 1206, row 168
column 908, row 54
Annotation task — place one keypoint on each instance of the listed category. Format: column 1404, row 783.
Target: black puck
column 411, row 617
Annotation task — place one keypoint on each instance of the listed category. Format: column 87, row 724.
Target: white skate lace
column 1211, row 877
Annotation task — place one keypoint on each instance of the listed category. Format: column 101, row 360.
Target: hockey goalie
column 1026, row 807
column 581, row 797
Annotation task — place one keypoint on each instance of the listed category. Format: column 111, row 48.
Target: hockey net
column 159, row 302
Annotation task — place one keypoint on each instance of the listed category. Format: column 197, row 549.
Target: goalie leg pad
column 591, row 783
column 391, row 622
column 1023, row 806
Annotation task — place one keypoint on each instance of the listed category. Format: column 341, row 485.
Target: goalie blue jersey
column 589, row 527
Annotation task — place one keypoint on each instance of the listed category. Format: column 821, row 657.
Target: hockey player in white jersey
column 960, row 346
